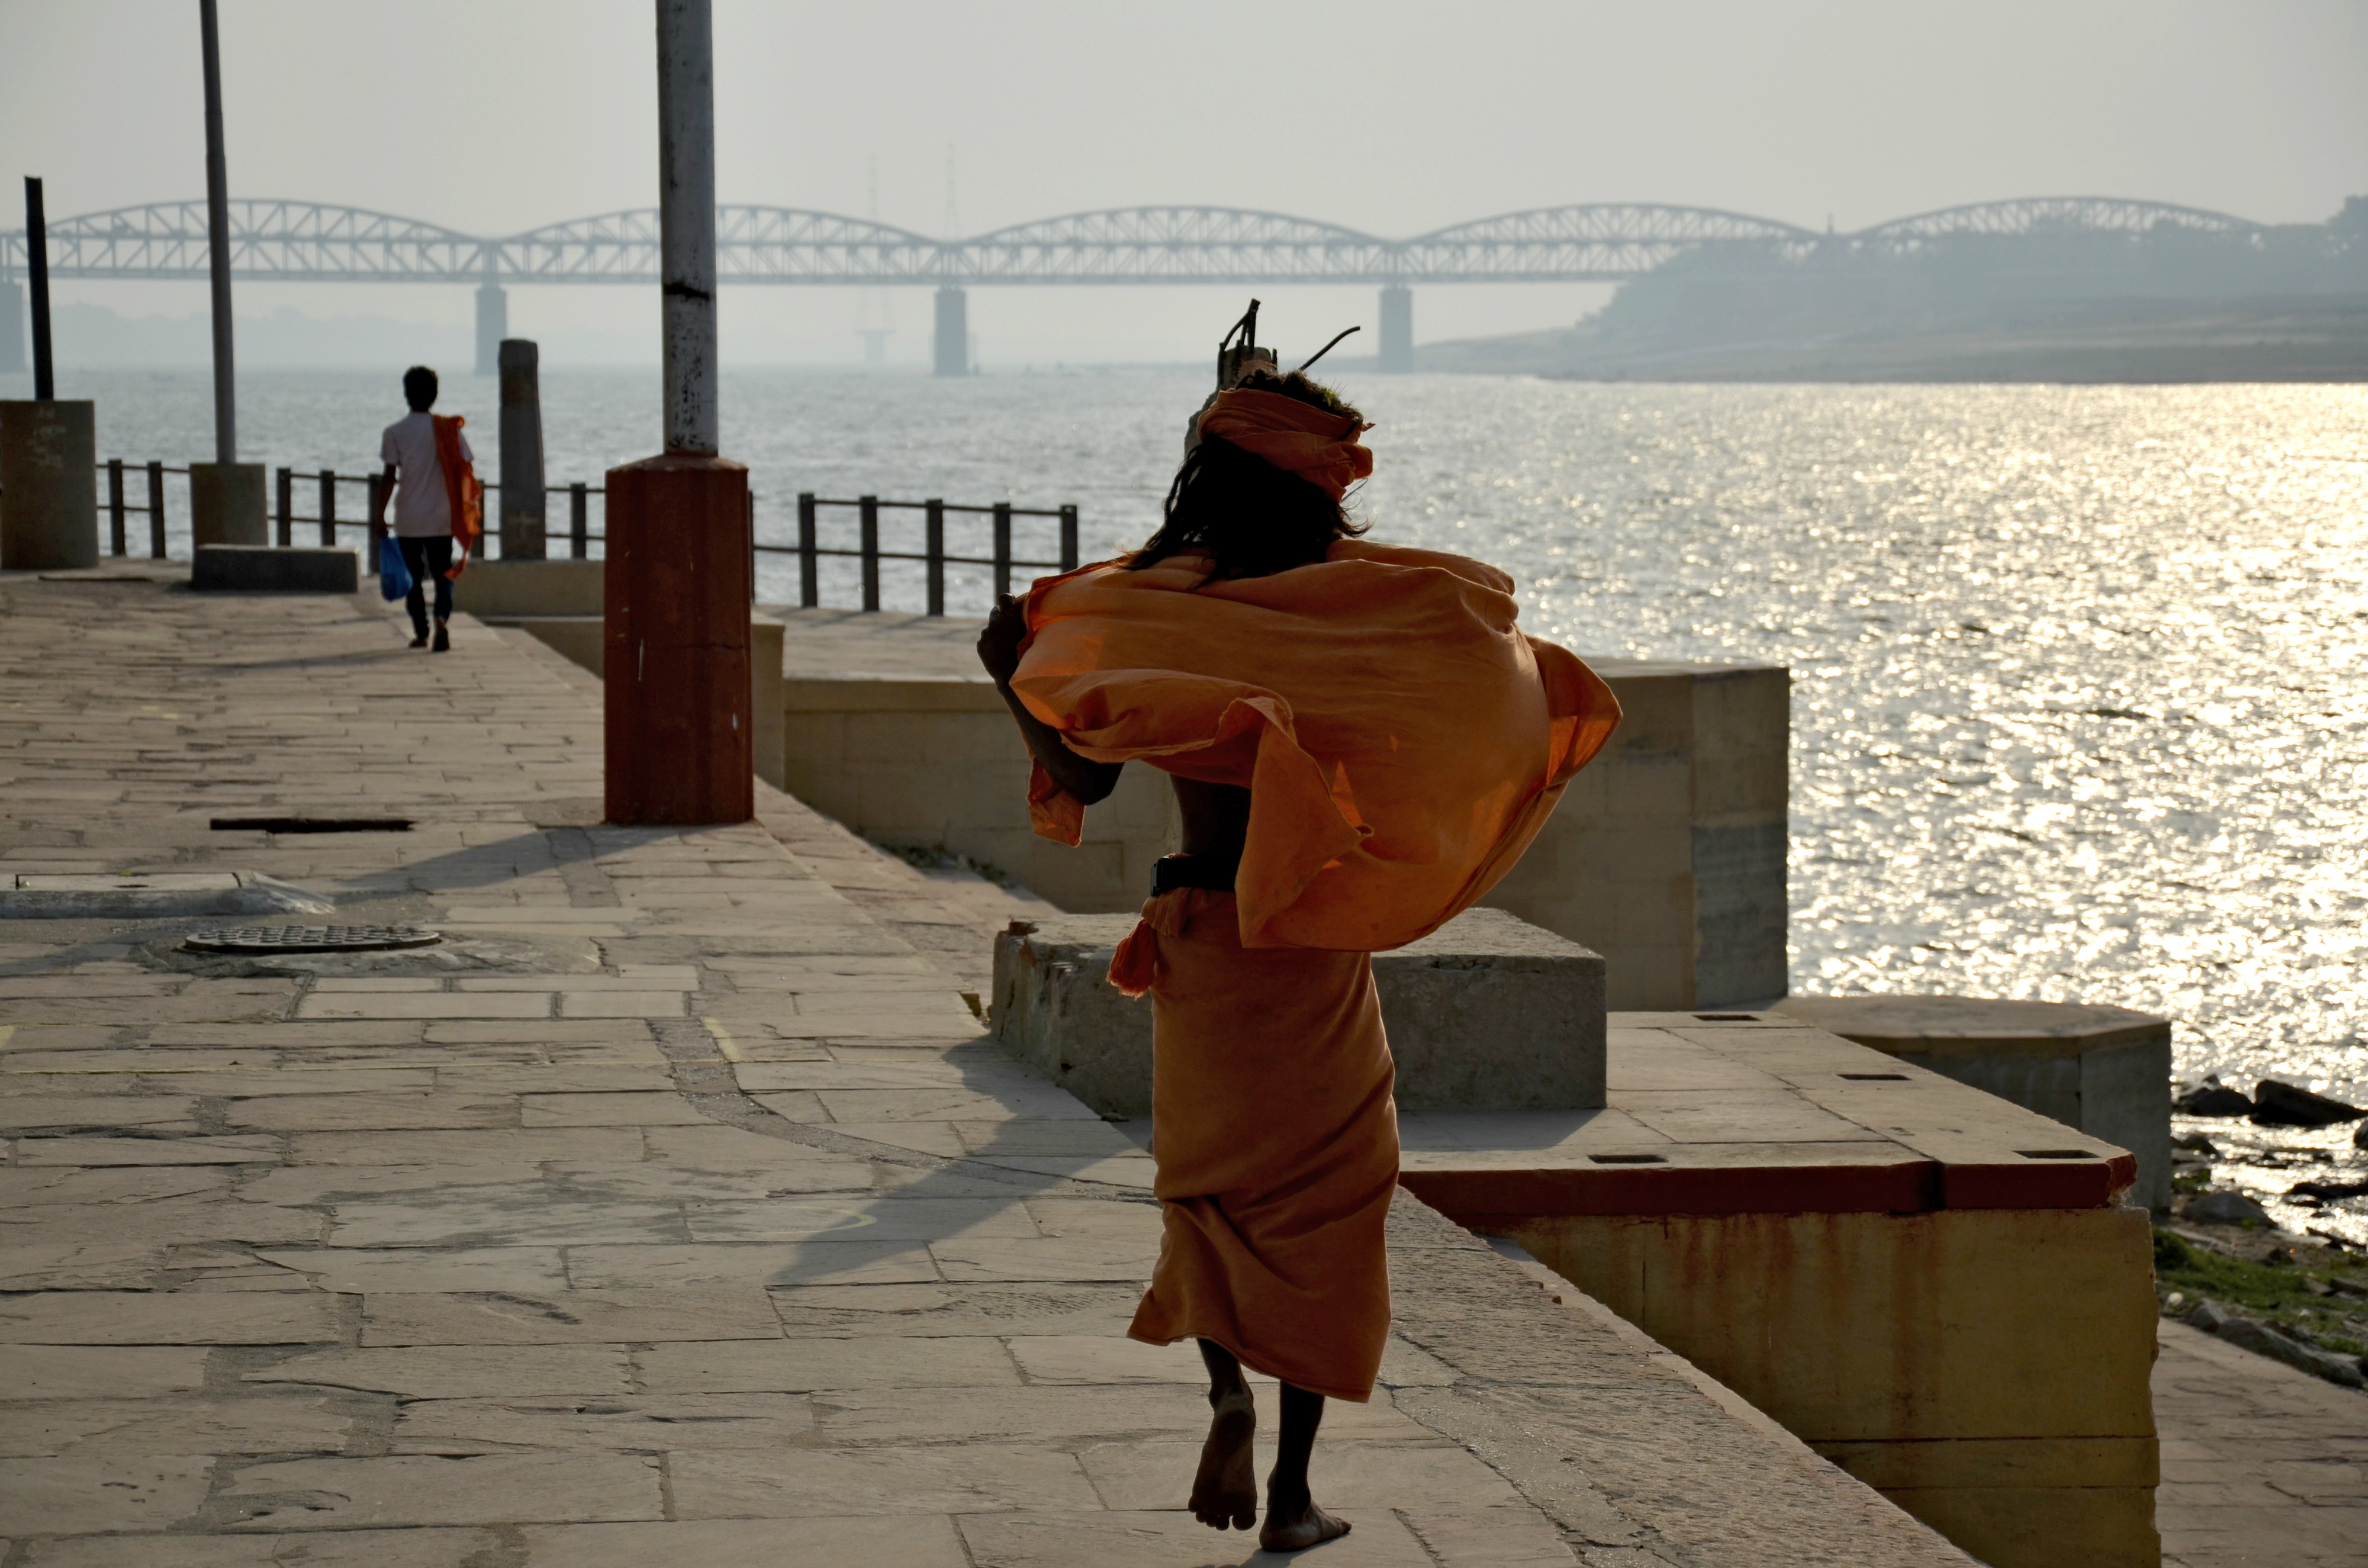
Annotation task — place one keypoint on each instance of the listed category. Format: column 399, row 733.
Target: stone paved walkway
column 674, row 1212
column 2262, row 1466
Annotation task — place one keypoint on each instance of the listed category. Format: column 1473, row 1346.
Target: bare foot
column 1226, row 1491
column 1295, row 1529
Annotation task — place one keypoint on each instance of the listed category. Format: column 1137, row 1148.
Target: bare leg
column 1225, row 1490
column 1292, row 1519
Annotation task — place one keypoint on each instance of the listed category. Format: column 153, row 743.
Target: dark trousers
column 428, row 558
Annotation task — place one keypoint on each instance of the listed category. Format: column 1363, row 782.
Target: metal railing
column 809, row 550
column 285, row 517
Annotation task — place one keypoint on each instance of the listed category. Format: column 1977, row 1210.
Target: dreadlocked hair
column 1250, row 516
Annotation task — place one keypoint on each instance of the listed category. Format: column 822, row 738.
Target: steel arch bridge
column 313, row 242
column 2050, row 216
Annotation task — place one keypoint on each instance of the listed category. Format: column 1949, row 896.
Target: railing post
column 752, row 547
column 156, row 511
column 1069, row 538
column 115, row 504
column 328, row 506
column 376, row 524
column 579, row 526
column 1002, row 548
column 287, row 499
column 809, row 561
column 936, row 551
column 869, row 505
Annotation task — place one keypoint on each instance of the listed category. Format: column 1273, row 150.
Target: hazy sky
column 491, row 116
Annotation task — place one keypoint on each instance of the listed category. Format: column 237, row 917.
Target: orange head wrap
column 1297, row 438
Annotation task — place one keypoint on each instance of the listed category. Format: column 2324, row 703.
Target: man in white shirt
column 423, row 507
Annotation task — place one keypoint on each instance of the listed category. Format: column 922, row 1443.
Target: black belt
column 1170, row 872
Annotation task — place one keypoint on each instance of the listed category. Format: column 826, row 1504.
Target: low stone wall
column 1487, row 1013
column 507, row 590
column 1667, row 855
column 267, row 569
column 1946, row 1295
column 935, row 762
column 2103, row 1070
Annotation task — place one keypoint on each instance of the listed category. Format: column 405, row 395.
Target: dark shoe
column 421, row 641
column 443, row 643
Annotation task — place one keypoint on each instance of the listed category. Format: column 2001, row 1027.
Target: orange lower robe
column 1402, row 742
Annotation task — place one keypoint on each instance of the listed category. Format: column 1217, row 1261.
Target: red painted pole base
column 675, row 653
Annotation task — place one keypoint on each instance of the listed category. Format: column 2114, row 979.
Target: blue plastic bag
column 393, row 576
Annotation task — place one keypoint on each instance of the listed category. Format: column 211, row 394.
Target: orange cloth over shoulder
column 462, row 489
column 1401, row 740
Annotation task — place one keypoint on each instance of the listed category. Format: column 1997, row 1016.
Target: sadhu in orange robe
column 1402, row 742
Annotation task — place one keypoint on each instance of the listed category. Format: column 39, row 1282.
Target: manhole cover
column 310, row 939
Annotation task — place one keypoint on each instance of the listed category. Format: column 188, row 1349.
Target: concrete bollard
column 522, row 533
column 226, row 505
column 49, row 485
column 677, row 691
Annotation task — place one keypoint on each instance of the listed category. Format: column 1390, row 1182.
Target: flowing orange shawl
column 1401, row 740
column 463, row 488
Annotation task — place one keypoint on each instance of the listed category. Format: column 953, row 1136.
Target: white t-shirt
column 422, row 510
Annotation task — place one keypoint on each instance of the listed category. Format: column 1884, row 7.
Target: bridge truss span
column 753, row 244
column 1600, row 241
column 1604, row 241
column 268, row 238
column 1175, row 245
column 2050, row 216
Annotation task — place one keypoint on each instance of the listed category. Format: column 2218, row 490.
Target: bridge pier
column 949, row 347
column 1395, row 351
column 12, row 327
column 492, row 325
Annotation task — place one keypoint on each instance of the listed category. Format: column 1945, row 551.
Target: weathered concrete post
column 680, row 729
column 522, row 495
column 492, row 321
column 49, row 486
column 226, row 503
column 1395, row 351
column 949, row 345
column 49, row 451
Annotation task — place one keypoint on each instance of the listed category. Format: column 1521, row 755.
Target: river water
column 2079, row 708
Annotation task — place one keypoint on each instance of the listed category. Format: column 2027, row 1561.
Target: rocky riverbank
column 2294, row 1299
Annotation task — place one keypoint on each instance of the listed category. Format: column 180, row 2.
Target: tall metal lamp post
column 225, row 495
column 678, row 577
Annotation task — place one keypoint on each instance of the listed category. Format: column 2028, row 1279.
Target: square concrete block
column 2103, row 1070
column 265, row 569
column 1488, row 1013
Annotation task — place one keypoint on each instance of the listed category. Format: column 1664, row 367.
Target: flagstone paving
column 2262, row 1466
column 675, row 1209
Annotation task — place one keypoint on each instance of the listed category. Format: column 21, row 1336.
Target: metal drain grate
column 310, row 939
column 311, row 824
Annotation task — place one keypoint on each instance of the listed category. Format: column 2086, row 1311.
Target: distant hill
column 2059, row 302
column 2311, row 338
